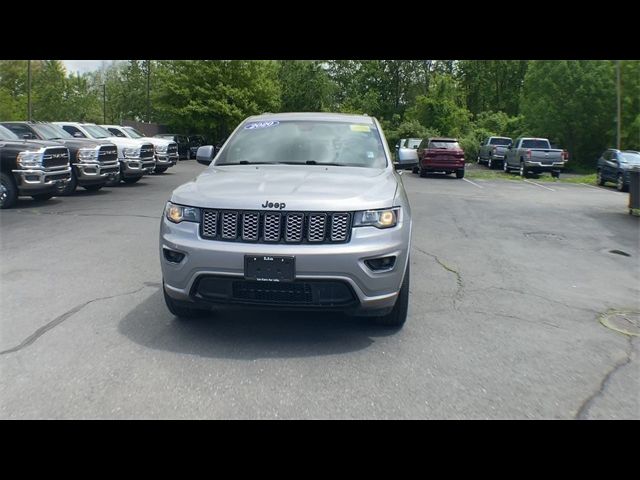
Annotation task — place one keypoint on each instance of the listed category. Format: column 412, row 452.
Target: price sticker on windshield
column 360, row 128
column 256, row 125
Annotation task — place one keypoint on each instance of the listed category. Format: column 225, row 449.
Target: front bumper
column 543, row 167
column 34, row 181
column 166, row 160
column 92, row 173
column 136, row 167
column 343, row 262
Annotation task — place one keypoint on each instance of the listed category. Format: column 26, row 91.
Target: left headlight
column 161, row 148
column 131, row 152
column 385, row 218
column 30, row 159
column 87, row 155
column 180, row 213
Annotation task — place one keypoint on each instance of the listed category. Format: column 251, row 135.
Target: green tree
column 573, row 104
column 305, row 86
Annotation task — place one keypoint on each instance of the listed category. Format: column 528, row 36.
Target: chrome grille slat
column 271, row 227
column 316, row 228
column 275, row 227
column 339, row 227
column 147, row 151
column 55, row 157
column 294, row 224
column 250, row 226
column 209, row 223
column 229, row 225
column 107, row 154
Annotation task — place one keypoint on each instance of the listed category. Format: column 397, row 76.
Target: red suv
column 440, row 155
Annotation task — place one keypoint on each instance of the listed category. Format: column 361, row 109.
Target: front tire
column 8, row 191
column 131, row 180
column 398, row 316
column 523, row 170
column 161, row 170
column 505, row 166
column 620, row 186
column 600, row 178
column 490, row 163
column 93, row 188
column 71, row 186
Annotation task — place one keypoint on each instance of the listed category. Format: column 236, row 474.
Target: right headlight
column 131, row 152
column 180, row 213
column 30, row 159
column 87, row 155
column 385, row 218
column 161, row 148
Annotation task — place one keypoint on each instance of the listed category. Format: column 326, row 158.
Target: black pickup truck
column 93, row 162
column 36, row 168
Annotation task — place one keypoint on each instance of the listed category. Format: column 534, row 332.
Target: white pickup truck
column 136, row 157
column 166, row 151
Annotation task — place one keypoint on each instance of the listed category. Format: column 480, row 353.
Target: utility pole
column 29, row 90
column 104, row 103
column 619, row 104
column 148, row 91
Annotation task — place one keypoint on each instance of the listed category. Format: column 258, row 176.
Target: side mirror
column 205, row 154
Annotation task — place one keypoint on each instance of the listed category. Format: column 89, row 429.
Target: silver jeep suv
column 296, row 211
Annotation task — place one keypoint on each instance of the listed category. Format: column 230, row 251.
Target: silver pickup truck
column 493, row 150
column 297, row 210
column 534, row 155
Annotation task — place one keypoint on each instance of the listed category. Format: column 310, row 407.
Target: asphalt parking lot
column 510, row 282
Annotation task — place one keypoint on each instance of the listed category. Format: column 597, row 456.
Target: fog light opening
column 173, row 256
column 380, row 264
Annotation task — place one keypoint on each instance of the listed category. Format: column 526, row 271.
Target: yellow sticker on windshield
column 360, row 128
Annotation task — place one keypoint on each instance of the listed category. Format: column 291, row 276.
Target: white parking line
column 537, row 184
column 472, row 183
column 602, row 189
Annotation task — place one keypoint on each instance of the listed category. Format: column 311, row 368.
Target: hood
column 304, row 188
column 156, row 141
column 123, row 142
column 83, row 142
column 30, row 144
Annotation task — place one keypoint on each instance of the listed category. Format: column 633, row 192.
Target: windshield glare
column 305, row 142
column 6, row 134
column 97, row 132
column 51, row 132
column 133, row 133
column 500, row 141
column 628, row 157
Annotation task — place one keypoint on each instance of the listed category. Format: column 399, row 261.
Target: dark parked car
column 195, row 142
column 36, row 168
column 493, row 150
column 614, row 166
column 440, row 155
column 93, row 162
column 183, row 144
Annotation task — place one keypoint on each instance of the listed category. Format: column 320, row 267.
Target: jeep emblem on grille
column 268, row 204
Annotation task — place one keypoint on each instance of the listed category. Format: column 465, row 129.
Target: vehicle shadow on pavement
column 24, row 203
column 245, row 334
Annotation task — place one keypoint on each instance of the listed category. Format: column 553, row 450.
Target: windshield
column 6, row 134
column 97, row 132
column 305, row 142
column 446, row 144
column 629, row 157
column 533, row 143
column 51, row 132
column 133, row 133
column 500, row 141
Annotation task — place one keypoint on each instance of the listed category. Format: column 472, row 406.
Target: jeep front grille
column 274, row 227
